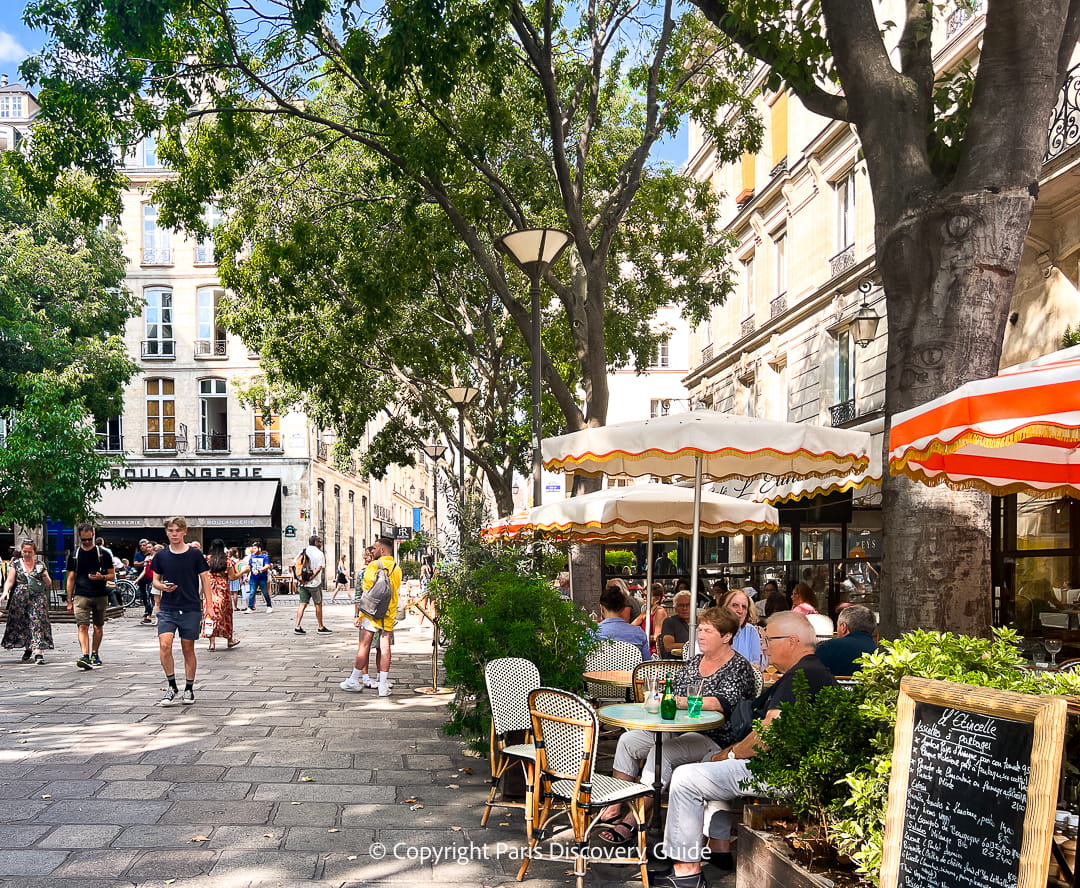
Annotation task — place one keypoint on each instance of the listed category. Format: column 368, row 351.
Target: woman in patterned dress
column 27, row 587
column 726, row 678
column 219, row 604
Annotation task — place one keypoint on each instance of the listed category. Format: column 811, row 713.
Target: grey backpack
column 375, row 602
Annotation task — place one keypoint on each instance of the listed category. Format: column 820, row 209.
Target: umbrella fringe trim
column 917, row 474
column 1053, row 431
column 854, row 464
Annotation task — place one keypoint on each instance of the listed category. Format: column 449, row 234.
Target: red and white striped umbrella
column 1017, row 432
column 510, row 527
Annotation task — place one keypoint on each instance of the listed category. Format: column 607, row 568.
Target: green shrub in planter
column 856, row 824
column 493, row 606
column 410, row 570
column 616, row 560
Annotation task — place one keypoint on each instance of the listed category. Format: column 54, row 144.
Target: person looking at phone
column 182, row 586
column 89, row 571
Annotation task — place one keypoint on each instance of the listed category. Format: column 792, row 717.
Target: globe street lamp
column 533, row 251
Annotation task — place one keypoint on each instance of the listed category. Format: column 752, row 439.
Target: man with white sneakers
column 370, row 627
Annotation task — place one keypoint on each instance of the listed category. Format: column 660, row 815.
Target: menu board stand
column 973, row 789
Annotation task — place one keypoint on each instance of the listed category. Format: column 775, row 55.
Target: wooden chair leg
column 498, row 768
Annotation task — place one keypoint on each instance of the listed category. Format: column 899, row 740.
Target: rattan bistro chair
column 509, row 681
column 610, row 655
column 658, row 669
column 565, row 731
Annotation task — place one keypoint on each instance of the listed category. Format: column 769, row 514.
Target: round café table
column 634, row 717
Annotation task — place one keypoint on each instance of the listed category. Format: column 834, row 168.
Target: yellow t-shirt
column 370, row 572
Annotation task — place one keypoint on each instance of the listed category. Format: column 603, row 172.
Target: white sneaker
column 368, row 683
column 269, row 610
column 246, row 610
column 350, row 684
column 384, row 690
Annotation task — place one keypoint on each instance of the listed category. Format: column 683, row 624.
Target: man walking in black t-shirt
column 181, row 584
column 89, row 570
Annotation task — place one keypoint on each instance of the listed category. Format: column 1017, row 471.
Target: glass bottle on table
column 668, row 706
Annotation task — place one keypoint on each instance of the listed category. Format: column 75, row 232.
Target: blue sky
column 17, row 41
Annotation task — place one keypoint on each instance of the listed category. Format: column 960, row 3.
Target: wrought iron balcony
column 159, row 349
column 781, row 167
column 778, row 306
column 965, row 11
column 157, row 256
column 842, row 261
column 265, row 442
column 747, row 327
column 843, row 413
column 109, row 443
column 1065, row 121
column 211, row 348
column 204, row 253
column 212, row 444
column 322, row 450
column 707, row 353
column 162, row 442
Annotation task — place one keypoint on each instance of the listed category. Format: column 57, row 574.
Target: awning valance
column 202, row 503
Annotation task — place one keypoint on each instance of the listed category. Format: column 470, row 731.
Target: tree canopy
column 63, row 363
column 417, row 136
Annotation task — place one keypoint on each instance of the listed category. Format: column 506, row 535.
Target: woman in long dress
column 218, row 619
column 27, row 587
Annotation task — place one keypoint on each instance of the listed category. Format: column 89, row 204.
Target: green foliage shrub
column 618, row 559
column 410, row 569
column 491, row 604
column 807, row 765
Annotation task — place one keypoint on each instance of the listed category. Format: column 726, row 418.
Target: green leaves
column 63, row 362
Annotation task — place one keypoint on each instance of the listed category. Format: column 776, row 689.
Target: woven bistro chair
column 509, row 681
column 658, row 669
column 607, row 656
column 566, row 728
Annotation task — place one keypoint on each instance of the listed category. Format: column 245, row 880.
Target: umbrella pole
column 648, row 590
column 695, row 554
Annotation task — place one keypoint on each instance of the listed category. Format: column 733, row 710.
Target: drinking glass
column 693, row 700
column 1053, row 648
column 652, row 695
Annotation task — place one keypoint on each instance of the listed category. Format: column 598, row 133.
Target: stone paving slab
column 274, row 779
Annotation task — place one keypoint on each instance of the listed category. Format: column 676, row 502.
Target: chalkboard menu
column 966, row 799
column 973, row 788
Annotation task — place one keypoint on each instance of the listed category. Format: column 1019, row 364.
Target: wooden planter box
column 764, row 863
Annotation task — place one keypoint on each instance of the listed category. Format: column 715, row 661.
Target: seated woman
column 659, row 614
column 747, row 640
column 728, row 678
column 612, row 625
column 803, row 599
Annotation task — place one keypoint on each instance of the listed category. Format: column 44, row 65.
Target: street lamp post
column 533, row 251
column 434, row 452
column 461, row 396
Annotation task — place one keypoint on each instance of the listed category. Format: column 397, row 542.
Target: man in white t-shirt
column 312, row 589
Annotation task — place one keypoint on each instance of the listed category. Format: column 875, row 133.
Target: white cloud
column 10, row 49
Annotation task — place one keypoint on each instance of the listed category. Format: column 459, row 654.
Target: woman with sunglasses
column 27, row 590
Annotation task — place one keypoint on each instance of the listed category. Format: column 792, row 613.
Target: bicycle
column 128, row 592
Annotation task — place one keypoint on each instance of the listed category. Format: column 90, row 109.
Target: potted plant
column 842, row 803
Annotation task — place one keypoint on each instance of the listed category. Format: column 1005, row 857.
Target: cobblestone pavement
column 275, row 777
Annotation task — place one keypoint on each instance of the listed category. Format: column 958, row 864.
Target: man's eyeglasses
column 775, row 637
column 86, row 539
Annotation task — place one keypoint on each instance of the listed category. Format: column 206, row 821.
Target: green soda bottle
column 667, row 702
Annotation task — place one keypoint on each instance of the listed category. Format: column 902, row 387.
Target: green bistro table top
column 633, row 715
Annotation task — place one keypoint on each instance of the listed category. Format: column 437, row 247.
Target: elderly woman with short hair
column 726, row 678
column 747, row 640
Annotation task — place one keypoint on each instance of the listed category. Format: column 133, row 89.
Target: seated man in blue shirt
column 612, row 625
column 855, row 628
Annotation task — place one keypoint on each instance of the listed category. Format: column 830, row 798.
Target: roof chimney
column 3, row 80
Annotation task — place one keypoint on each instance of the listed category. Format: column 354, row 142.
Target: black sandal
column 615, row 832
